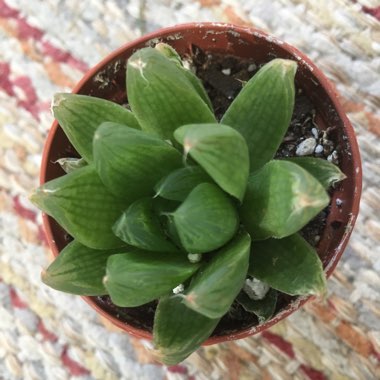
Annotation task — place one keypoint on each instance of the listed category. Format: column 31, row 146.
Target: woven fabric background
column 45, row 47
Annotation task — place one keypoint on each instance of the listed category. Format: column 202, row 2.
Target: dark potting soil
column 223, row 78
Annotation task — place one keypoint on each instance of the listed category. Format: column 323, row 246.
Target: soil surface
column 223, row 78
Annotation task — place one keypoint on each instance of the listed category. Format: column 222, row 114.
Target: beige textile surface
column 45, row 47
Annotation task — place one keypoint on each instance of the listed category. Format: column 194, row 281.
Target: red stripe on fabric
column 280, row 343
column 312, row 373
column 22, row 210
column 5, row 83
column 74, row 367
column 16, row 301
column 178, row 369
column 61, row 56
column 375, row 12
column 46, row 334
column 27, row 31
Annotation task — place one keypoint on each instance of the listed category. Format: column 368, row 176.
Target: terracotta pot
column 107, row 80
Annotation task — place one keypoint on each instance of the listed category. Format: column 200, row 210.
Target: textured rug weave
column 45, row 47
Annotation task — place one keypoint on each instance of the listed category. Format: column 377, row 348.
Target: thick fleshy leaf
column 170, row 53
column 161, row 96
column 281, row 198
column 214, row 288
column 221, row 151
column 179, row 183
column 263, row 109
column 289, row 265
column 324, row 171
column 206, row 219
column 138, row 277
column 83, row 206
column 69, row 164
column 130, row 162
column 178, row 331
column 80, row 116
column 78, row 270
column 263, row 309
column 139, row 226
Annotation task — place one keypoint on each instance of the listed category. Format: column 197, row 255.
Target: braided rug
column 45, row 47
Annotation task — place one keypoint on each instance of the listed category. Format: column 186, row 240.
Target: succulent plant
column 165, row 197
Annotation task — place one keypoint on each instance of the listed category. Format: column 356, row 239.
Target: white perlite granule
column 255, row 288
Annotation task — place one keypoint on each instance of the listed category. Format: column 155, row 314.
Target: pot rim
column 324, row 82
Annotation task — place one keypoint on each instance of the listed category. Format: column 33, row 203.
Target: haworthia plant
column 165, row 199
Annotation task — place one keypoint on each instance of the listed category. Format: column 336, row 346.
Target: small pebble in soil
column 333, row 157
column 255, row 289
column 226, row 71
column 252, row 67
column 178, row 289
column 318, row 149
column 306, row 147
column 314, row 131
column 338, row 202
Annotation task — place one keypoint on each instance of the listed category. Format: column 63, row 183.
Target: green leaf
column 130, row 162
column 161, row 96
column 206, row 219
column 324, row 171
column 83, row 206
column 263, row 309
column 289, row 265
column 281, row 198
column 78, row 270
column 263, row 109
column 214, row 288
column 179, row 183
column 139, row 226
column 69, row 164
column 170, row 53
column 178, row 331
column 221, row 151
column 138, row 277
column 80, row 116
